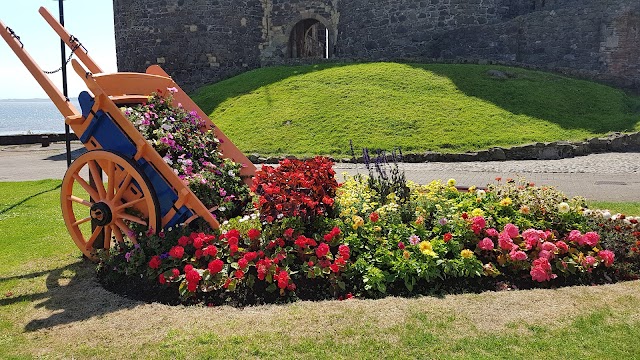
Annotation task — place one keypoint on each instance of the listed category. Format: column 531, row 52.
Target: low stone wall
column 44, row 139
column 616, row 142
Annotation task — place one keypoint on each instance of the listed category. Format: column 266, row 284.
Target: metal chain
column 65, row 63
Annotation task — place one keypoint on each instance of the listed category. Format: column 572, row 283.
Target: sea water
column 31, row 116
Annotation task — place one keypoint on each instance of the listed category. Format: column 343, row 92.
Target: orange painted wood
column 227, row 147
column 117, row 196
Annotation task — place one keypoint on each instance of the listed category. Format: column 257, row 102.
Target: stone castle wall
column 202, row 41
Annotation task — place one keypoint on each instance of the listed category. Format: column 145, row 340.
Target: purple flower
column 443, row 221
column 127, row 256
column 164, row 256
column 414, row 239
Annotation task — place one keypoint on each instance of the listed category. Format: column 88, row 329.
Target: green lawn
column 317, row 109
column 51, row 307
column 627, row 208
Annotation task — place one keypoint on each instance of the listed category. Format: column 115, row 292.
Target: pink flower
column 401, row 245
column 588, row 261
column 562, row 246
column 491, row 232
column 541, row 270
column 512, row 230
column 505, row 242
column 531, row 237
column 344, row 251
column 575, row 236
column 548, row 246
column 414, row 239
column 545, row 254
column 607, row 257
column 479, row 221
column 518, row 255
column 486, row 244
column 591, row 239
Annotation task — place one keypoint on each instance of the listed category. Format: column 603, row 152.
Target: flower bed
column 305, row 237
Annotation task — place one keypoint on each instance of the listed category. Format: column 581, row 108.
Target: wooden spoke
column 92, row 192
column 117, row 233
column 80, row 201
column 135, row 219
column 111, row 181
column 126, row 230
column 107, row 238
column 82, row 221
column 130, row 204
column 97, row 180
column 123, row 188
column 93, row 237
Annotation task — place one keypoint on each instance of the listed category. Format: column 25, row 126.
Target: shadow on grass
column 14, row 205
column 569, row 103
column 70, row 299
column 208, row 99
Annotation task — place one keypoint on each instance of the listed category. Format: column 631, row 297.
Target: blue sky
column 89, row 21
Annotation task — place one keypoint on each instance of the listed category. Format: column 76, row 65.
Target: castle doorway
column 309, row 39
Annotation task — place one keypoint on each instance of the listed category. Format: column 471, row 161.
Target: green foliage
column 307, row 110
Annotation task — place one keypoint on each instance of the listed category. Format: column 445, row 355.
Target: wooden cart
column 121, row 179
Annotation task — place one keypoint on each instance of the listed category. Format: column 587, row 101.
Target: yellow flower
column 477, row 212
column 377, row 228
column 472, row 188
column 506, row 202
column 427, row 249
column 466, row 253
column 451, row 182
column 357, row 221
column 406, row 254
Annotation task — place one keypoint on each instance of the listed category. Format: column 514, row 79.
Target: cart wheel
column 95, row 213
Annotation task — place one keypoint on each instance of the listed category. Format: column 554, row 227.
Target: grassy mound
column 317, row 109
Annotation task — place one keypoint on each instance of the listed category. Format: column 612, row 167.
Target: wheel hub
column 101, row 213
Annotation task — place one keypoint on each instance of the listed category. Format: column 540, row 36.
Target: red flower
column 283, row 279
column 211, row 250
column 175, row 273
column 183, row 241
column 176, row 252
column 288, row 233
column 161, row 279
column 233, row 249
column 239, row 274
column 310, row 263
column 198, row 242
column 327, row 200
column 344, row 251
column 334, row 268
column 253, row 234
column 193, row 278
column 155, row 262
column 401, row 245
column 243, row 263
column 215, row 266
column 322, row 250
column 233, row 233
column 374, row 217
column 233, row 241
column 447, row 237
column 250, row 256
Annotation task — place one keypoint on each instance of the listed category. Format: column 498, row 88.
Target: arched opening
column 309, row 38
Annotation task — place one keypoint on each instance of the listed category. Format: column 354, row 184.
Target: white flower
column 587, row 212
column 231, row 173
column 606, row 214
column 563, row 208
column 481, row 193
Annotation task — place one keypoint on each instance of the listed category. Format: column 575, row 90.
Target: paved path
column 611, row 176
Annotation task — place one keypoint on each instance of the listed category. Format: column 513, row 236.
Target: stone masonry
column 203, row 41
